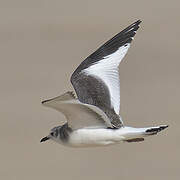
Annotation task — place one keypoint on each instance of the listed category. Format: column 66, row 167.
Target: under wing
column 78, row 115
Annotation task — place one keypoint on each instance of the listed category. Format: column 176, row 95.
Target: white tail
column 138, row 134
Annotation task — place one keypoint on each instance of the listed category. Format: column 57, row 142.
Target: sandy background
column 42, row 42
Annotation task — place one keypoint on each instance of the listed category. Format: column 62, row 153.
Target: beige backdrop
column 42, row 42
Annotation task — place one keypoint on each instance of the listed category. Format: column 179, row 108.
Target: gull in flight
column 93, row 116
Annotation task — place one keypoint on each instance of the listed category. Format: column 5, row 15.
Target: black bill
column 44, row 139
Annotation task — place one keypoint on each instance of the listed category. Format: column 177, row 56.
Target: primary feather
column 96, row 80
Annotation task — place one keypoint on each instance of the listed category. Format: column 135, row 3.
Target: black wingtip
column 138, row 21
column 44, row 101
column 134, row 25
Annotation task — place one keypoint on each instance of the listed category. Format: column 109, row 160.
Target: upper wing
column 78, row 115
column 96, row 80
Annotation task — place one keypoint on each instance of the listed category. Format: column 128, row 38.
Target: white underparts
column 103, row 137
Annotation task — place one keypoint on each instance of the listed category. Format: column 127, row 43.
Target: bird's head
column 54, row 133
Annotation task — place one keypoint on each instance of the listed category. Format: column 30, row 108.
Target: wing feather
column 78, row 115
column 96, row 80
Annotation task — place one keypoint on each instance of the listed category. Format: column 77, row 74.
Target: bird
column 93, row 113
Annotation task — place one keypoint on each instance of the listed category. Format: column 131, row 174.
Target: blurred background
column 41, row 44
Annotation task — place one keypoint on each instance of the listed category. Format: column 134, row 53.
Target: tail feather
column 155, row 130
column 139, row 134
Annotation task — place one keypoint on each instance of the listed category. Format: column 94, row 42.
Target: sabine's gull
column 93, row 116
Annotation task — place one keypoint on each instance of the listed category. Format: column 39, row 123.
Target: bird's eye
column 52, row 133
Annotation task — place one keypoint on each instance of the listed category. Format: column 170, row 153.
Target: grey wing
column 96, row 80
column 92, row 90
column 78, row 115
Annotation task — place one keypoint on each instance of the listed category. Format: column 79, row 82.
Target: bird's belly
column 93, row 137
